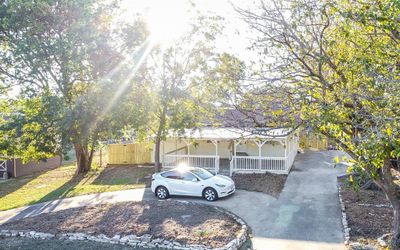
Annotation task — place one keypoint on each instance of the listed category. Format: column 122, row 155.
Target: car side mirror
column 195, row 180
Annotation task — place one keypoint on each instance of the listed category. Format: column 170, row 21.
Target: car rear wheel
column 162, row 192
column 210, row 194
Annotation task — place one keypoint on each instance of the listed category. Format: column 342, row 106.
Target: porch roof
column 234, row 133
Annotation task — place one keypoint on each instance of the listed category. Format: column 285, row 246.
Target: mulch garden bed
column 170, row 220
column 369, row 215
column 268, row 183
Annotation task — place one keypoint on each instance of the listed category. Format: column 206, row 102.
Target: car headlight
column 220, row 185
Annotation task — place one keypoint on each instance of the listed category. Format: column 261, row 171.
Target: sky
column 235, row 37
column 165, row 13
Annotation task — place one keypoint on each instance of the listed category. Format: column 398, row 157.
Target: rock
column 175, row 243
column 154, row 241
column 232, row 244
column 92, row 238
column 124, row 239
column 134, row 244
column 44, row 235
column 5, row 232
column 14, row 233
column 103, row 236
column 135, row 241
column 77, row 236
column 146, row 237
column 383, row 240
column 62, row 236
column 359, row 246
column 81, row 235
column 197, row 247
column 116, row 237
column 241, row 221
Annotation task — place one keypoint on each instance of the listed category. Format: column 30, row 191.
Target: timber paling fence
column 312, row 140
column 129, row 153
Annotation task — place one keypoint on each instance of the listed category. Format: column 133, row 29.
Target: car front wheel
column 210, row 194
column 162, row 193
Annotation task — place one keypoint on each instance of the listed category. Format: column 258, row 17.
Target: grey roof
column 234, row 133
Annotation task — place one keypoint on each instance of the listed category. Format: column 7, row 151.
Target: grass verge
column 61, row 183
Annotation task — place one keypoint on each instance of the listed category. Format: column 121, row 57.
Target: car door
column 174, row 180
column 190, row 185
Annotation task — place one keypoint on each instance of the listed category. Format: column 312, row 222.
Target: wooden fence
column 133, row 153
column 311, row 140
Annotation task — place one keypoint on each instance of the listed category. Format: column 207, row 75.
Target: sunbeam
column 142, row 52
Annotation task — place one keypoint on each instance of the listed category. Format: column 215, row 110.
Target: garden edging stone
column 144, row 241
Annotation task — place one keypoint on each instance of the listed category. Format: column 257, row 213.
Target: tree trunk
column 395, row 244
column 157, row 155
column 386, row 183
column 161, row 128
column 83, row 158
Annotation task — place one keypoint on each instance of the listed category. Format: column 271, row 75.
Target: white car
column 191, row 182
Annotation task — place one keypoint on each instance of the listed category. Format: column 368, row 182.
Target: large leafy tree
column 173, row 73
column 70, row 53
column 338, row 64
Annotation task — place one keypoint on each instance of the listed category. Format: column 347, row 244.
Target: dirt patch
column 171, row 220
column 369, row 215
column 268, row 183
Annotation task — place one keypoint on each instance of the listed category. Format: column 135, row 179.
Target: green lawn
column 61, row 182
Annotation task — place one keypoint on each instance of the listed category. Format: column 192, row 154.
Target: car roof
column 187, row 169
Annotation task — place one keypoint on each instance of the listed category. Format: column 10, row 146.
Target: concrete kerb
column 143, row 241
column 346, row 228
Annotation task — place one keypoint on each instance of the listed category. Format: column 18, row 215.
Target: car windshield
column 202, row 173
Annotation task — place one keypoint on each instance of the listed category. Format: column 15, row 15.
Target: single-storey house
column 231, row 149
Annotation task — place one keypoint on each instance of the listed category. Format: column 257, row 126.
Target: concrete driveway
column 307, row 213
column 305, row 216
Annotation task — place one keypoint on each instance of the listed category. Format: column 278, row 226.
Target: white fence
column 209, row 162
column 259, row 164
column 290, row 159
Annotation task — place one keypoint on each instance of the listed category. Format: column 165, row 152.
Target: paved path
column 305, row 216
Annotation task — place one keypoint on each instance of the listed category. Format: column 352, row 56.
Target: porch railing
column 290, row 158
column 259, row 164
column 209, row 162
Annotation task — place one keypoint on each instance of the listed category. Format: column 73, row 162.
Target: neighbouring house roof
column 240, row 119
column 235, row 133
column 233, row 118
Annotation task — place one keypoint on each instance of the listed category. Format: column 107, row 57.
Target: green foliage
column 337, row 66
column 30, row 124
column 69, row 63
column 171, row 75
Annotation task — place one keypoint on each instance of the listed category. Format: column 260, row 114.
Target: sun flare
column 168, row 21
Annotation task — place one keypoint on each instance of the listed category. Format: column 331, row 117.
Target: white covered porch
column 230, row 150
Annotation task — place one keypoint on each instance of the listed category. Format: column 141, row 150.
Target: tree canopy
column 337, row 62
column 67, row 59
